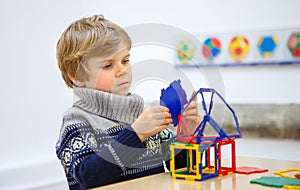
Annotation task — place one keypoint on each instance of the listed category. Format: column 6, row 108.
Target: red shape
column 246, row 41
column 249, row 170
column 206, row 52
column 233, row 39
column 296, row 52
column 216, row 42
column 297, row 176
column 238, row 51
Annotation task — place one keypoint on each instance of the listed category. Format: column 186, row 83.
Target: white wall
column 34, row 97
column 276, row 84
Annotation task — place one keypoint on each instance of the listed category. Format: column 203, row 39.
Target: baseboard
column 31, row 175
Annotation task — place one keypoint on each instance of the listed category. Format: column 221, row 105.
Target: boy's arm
column 167, row 137
column 97, row 159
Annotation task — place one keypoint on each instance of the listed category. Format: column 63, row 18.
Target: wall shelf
column 273, row 63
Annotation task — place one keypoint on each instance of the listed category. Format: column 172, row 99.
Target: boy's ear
column 77, row 83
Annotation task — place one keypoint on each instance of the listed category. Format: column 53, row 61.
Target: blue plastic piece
column 174, row 98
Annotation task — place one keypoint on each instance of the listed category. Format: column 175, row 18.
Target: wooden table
column 164, row 181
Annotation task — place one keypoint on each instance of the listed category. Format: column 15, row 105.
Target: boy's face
column 112, row 74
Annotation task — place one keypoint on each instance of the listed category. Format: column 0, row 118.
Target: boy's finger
column 161, row 115
column 165, row 121
column 159, row 109
column 194, row 92
column 193, row 118
column 191, row 112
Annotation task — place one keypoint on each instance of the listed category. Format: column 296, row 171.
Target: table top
column 234, row 181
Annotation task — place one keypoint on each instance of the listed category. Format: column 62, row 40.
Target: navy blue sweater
column 97, row 145
column 90, row 165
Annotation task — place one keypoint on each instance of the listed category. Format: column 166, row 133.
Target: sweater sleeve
column 167, row 137
column 94, row 158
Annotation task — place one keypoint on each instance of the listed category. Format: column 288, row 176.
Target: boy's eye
column 126, row 61
column 107, row 66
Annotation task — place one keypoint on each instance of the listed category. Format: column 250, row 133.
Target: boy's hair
column 83, row 39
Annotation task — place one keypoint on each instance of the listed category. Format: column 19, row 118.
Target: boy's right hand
column 152, row 121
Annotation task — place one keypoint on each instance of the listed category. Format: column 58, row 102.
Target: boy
column 106, row 136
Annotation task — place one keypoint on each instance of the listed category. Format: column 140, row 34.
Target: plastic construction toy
column 276, row 181
column 174, row 97
column 292, row 187
column 283, row 173
column 197, row 145
column 249, row 170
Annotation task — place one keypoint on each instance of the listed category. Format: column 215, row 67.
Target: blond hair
column 85, row 38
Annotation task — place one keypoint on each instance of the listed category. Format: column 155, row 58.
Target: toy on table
column 249, row 170
column 197, row 145
column 292, row 187
column 276, row 181
column 286, row 181
column 282, row 172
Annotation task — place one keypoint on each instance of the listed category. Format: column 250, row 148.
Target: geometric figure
column 197, row 146
column 199, row 161
column 276, row 181
column 174, row 98
column 186, row 51
column 211, row 48
column 267, row 45
column 291, row 187
column 225, row 170
column 249, row 170
column 297, row 175
column 294, row 44
column 208, row 121
column 196, row 169
column 282, row 172
column 239, row 47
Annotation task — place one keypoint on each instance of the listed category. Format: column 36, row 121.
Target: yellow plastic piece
column 193, row 168
column 291, row 187
column 282, row 172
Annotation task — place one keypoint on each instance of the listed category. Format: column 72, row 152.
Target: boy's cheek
column 105, row 84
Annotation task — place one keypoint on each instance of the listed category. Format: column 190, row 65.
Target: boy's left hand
column 191, row 116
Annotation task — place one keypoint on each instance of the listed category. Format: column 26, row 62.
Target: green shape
column 276, row 181
column 182, row 172
column 185, row 47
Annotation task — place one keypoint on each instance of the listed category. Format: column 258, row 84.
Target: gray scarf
column 102, row 110
column 123, row 109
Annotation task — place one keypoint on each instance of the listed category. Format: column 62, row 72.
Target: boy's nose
column 122, row 70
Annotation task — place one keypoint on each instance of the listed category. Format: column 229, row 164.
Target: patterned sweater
column 97, row 145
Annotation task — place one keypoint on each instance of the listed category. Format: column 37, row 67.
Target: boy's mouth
column 123, row 84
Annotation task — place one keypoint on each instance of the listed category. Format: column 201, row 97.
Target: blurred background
column 34, row 96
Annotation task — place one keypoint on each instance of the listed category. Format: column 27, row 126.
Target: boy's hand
column 152, row 121
column 191, row 116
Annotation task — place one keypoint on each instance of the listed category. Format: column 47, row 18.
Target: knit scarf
column 122, row 109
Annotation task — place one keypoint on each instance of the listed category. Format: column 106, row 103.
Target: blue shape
column 267, row 45
column 174, row 98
